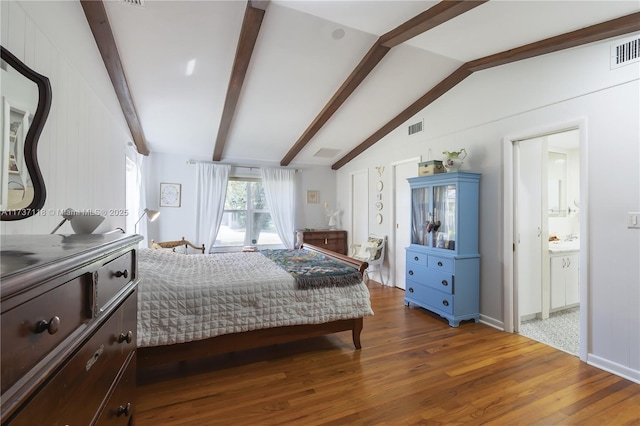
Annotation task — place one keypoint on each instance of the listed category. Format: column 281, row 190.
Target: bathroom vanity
column 564, row 259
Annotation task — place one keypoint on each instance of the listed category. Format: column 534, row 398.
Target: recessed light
column 190, row 66
column 337, row 34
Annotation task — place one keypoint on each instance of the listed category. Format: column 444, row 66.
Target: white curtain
column 211, row 187
column 136, row 195
column 279, row 188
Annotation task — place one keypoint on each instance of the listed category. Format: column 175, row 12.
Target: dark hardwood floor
column 412, row 369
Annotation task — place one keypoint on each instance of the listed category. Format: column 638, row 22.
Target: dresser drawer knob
column 124, row 409
column 124, row 273
column 439, row 263
column 416, row 258
column 445, row 283
column 410, row 272
column 126, row 337
column 52, row 326
column 445, row 302
column 410, row 289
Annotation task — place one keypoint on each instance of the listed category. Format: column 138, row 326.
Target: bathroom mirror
column 557, row 184
column 25, row 101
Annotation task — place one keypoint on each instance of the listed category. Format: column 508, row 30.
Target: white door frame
column 392, row 238
column 510, row 307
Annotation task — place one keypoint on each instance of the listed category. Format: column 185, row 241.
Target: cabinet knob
column 416, row 258
column 126, row 337
column 124, row 409
column 410, row 272
column 410, row 289
column 52, row 326
column 445, row 302
column 445, row 283
column 439, row 263
column 124, row 273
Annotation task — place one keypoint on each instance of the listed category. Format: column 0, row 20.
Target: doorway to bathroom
column 547, row 243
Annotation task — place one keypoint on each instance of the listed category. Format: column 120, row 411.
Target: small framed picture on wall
column 170, row 194
column 313, row 197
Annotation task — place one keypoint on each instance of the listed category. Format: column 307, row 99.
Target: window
column 246, row 219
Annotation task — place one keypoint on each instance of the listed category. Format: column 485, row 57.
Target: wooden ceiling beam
column 430, row 18
column 434, row 16
column 613, row 28
column 253, row 16
column 98, row 21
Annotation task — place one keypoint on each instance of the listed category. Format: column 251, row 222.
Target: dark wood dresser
column 68, row 322
column 330, row 239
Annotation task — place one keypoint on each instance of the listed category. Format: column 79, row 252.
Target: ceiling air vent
column 326, row 153
column 625, row 52
column 139, row 3
column 415, row 128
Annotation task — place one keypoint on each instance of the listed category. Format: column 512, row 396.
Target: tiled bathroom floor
column 561, row 330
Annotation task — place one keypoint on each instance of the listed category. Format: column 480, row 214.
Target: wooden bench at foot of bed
column 154, row 355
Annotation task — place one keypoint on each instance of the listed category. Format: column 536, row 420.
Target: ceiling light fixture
column 190, row 66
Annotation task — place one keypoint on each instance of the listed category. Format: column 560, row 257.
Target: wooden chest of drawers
column 68, row 316
column 333, row 240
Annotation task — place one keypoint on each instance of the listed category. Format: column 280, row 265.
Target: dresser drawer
column 76, row 392
column 429, row 298
column 441, row 263
column 120, row 407
column 33, row 329
column 414, row 257
column 111, row 278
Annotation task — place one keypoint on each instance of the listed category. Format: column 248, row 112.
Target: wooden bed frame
column 154, row 355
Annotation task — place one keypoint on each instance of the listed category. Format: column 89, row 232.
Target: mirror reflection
column 25, row 99
column 557, row 181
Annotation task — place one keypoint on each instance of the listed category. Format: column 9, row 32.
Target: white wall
column 175, row 223
column 520, row 99
column 82, row 147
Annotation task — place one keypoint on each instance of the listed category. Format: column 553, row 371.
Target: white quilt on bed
column 191, row 297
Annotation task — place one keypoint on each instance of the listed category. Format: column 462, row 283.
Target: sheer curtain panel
column 211, row 187
column 279, row 188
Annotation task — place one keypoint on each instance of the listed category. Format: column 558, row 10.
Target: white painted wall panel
column 82, row 147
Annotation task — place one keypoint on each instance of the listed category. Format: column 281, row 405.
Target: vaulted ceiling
column 315, row 82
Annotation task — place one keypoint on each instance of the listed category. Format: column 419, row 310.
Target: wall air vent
column 415, row 128
column 625, row 52
column 139, row 3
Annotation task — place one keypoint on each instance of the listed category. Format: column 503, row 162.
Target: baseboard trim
column 492, row 322
column 614, row 368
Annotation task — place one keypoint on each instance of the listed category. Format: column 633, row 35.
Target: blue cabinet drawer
column 438, row 280
column 429, row 298
column 417, row 258
column 441, row 263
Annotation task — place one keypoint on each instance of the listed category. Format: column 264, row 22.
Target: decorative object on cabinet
column 69, row 325
column 443, row 263
column 26, row 101
column 372, row 252
column 313, row 197
column 81, row 223
column 151, row 216
column 453, row 159
column 170, row 194
column 431, row 167
column 334, row 240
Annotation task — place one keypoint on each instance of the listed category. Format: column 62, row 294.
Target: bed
column 194, row 306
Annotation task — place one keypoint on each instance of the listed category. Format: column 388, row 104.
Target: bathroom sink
column 562, row 246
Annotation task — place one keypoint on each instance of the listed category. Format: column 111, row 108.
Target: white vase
column 452, row 164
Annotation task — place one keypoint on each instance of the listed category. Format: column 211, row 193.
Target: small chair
column 372, row 252
column 176, row 246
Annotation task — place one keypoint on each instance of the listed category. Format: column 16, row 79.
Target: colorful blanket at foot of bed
column 313, row 270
